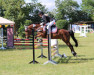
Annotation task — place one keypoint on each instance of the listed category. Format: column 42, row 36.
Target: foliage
column 37, row 7
column 21, row 12
column 80, row 15
column 1, row 9
column 28, row 22
column 13, row 11
column 62, row 24
column 21, row 30
column 88, row 6
column 66, row 9
column 31, row 14
column 70, row 10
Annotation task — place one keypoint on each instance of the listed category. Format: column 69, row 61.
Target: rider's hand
column 41, row 24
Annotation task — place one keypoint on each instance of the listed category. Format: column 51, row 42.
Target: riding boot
column 46, row 33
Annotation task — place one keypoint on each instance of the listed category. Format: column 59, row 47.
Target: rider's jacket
column 46, row 19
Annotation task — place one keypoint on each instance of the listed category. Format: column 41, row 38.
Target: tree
column 62, row 24
column 34, row 14
column 88, row 7
column 13, row 11
column 66, row 9
column 1, row 9
column 19, row 12
column 31, row 11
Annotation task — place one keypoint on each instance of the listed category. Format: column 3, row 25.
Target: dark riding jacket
column 46, row 19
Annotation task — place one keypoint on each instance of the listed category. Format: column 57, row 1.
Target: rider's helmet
column 41, row 13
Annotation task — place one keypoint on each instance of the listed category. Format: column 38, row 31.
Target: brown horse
column 60, row 34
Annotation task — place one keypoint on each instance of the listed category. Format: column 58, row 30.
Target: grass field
column 15, row 62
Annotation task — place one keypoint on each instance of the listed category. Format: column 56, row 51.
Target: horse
column 62, row 34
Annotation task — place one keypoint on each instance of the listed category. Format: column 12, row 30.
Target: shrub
column 27, row 22
column 21, row 31
column 62, row 24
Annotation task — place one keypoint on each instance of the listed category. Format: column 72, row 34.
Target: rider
column 46, row 20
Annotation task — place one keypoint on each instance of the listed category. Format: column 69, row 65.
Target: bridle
column 38, row 29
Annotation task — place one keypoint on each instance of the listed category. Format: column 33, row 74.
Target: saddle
column 53, row 28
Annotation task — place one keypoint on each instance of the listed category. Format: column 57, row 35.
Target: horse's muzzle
column 26, row 28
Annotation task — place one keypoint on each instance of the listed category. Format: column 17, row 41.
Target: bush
column 62, row 24
column 27, row 22
column 21, row 31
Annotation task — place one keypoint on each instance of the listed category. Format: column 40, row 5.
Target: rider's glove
column 41, row 24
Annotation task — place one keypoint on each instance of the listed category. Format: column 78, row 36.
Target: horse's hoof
column 76, row 45
column 75, row 54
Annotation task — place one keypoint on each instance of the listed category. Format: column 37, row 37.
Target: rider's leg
column 50, row 24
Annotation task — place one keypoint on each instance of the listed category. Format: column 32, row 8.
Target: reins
column 38, row 30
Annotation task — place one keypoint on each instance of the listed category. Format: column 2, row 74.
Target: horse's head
column 28, row 29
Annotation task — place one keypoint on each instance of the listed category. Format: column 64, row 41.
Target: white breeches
column 50, row 24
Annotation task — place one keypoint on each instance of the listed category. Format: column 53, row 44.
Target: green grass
column 15, row 62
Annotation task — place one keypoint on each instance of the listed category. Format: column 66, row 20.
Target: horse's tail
column 73, row 37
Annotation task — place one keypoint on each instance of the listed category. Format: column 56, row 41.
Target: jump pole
column 42, row 56
column 33, row 61
column 2, row 39
column 49, row 49
column 83, row 30
column 57, row 52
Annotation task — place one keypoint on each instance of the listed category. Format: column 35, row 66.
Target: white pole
column 49, row 48
column 54, row 44
column 2, row 39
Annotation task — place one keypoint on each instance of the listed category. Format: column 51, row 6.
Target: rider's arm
column 44, row 19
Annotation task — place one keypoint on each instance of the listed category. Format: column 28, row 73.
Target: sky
column 50, row 4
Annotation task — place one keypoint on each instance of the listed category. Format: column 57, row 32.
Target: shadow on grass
column 64, row 46
column 79, row 59
column 79, row 37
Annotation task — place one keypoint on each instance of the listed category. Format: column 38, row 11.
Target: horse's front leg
column 38, row 35
column 35, row 37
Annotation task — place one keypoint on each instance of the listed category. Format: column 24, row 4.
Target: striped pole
column 42, row 56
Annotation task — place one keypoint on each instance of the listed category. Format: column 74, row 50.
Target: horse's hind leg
column 71, row 48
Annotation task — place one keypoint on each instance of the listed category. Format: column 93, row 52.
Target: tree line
column 71, row 11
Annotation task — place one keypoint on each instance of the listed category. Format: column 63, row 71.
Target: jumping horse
column 60, row 34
